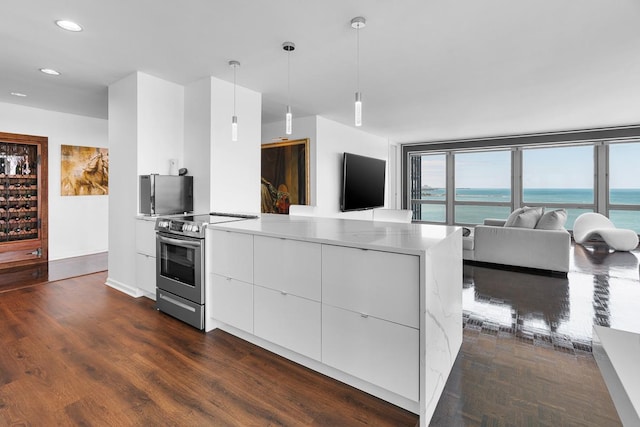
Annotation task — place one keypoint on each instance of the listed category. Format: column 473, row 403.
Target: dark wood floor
column 76, row 352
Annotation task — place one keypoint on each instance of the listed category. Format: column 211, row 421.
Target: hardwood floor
column 76, row 352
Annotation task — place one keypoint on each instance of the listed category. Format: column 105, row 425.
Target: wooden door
column 23, row 200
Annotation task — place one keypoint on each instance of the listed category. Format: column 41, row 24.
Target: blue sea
column 534, row 196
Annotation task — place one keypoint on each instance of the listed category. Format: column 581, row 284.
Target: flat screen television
column 362, row 182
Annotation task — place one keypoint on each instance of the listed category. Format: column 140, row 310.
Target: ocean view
column 536, row 196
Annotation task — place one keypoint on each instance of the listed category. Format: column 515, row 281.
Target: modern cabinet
column 288, row 320
column 231, row 301
column 370, row 316
column 146, row 256
column 23, row 200
column 289, row 266
column 379, row 309
column 230, row 254
column 378, row 351
column 374, row 283
column 230, row 288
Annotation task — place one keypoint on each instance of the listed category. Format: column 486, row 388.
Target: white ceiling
column 429, row 69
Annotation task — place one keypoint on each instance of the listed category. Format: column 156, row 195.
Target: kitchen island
column 373, row 304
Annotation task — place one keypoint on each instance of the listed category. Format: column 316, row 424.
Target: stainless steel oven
column 180, row 277
column 180, row 262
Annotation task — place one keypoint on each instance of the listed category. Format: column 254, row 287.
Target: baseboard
column 126, row 289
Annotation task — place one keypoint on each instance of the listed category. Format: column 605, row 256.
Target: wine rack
column 23, row 200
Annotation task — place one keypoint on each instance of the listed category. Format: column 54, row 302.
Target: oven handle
column 180, row 242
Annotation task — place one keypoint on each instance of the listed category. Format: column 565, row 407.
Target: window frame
column 600, row 139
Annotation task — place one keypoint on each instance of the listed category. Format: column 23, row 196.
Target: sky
column 556, row 167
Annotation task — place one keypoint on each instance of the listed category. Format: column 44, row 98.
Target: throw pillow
column 552, row 220
column 466, row 232
column 528, row 218
column 512, row 218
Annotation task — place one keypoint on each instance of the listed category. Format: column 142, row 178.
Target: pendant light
column 234, row 119
column 288, row 118
column 357, row 23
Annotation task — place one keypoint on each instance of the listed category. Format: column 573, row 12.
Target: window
column 482, row 186
column 559, row 177
column 464, row 182
column 624, row 185
column 428, row 187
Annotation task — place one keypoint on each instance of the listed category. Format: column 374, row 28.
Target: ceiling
column 428, row 69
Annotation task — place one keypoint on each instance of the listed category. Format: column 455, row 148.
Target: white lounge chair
column 594, row 226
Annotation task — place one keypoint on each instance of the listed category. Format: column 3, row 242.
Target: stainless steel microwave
column 165, row 194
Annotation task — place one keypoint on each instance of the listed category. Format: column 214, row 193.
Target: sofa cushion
column 511, row 219
column 527, row 218
column 552, row 220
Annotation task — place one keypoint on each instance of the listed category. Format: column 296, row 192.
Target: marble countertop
column 621, row 348
column 365, row 234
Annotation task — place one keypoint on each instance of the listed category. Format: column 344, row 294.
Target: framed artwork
column 285, row 175
column 84, row 171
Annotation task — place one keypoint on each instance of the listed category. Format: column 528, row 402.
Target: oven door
column 180, row 266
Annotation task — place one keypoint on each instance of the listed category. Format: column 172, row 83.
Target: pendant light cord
column 358, row 59
column 288, row 77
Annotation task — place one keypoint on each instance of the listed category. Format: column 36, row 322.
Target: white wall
column 235, row 166
column 160, row 124
column 197, row 141
column 77, row 225
column 329, row 140
column 123, row 116
column 146, row 129
column 333, row 139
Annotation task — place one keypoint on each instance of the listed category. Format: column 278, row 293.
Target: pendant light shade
column 358, row 109
column 234, row 118
column 288, row 118
column 357, row 23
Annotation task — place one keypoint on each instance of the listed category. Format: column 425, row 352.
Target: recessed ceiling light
column 68, row 25
column 22, row 95
column 50, row 71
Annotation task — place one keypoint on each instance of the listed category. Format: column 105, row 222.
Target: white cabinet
column 146, row 274
column 380, row 284
column 230, row 254
column 383, row 353
column 146, row 237
column 289, row 266
column 231, row 302
column 288, row 320
column 146, row 256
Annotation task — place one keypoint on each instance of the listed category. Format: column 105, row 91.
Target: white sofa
column 519, row 247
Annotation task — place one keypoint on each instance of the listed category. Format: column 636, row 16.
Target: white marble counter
column 404, row 238
column 616, row 353
column 436, row 281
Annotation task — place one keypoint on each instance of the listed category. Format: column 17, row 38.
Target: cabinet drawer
column 230, row 254
column 231, row 302
column 146, row 274
column 288, row 265
column 377, row 351
column 146, row 237
column 288, row 320
column 381, row 284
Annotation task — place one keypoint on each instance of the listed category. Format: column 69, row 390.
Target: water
column 536, row 196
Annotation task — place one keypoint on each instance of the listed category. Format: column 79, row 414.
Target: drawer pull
column 283, row 292
column 364, row 316
column 228, row 279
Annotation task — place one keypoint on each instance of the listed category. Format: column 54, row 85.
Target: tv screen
column 362, row 182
